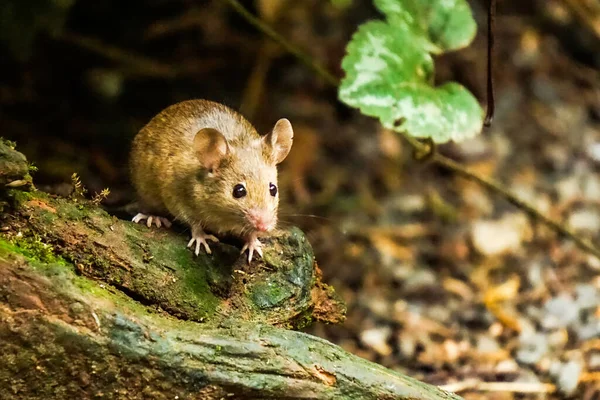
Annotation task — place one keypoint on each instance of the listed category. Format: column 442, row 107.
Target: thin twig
column 586, row 14
column 491, row 101
column 291, row 48
column 419, row 147
column 255, row 86
column 138, row 63
column 497, row 187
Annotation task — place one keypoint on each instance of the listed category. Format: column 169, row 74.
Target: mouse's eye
column 239, row 191
column 272, row 189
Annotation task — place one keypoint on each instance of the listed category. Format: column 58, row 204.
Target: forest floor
column 444, row 281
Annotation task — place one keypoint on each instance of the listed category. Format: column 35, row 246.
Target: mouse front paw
column 158, row 221
column 200, row 238
column 252, row 244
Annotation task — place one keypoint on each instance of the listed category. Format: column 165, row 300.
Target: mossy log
column 95, row 307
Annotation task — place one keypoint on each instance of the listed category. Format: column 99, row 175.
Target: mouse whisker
column 307, row 216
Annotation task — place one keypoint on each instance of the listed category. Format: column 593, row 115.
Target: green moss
column 70, row 210
column 192, row 294
column 47, row 217
column 33, row 249
column 178, row 255
column 9, row 143
column 8, row 248
column 96, row 289
column 270, row 293
column 62, row 271
column 192, row 271
column 303, row 321
column 19, row 197
column 39, row 256
column 160, row 269
column 196, row 282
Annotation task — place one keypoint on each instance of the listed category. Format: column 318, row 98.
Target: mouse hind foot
column 150, row 219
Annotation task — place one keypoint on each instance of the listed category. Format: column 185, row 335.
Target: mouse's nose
column 262, row 226
column 260, row 220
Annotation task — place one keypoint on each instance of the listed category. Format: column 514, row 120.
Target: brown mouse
column 206, row 166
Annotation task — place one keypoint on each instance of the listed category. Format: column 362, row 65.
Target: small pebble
column 506, row 366
column 560, row 312
column 535, row 274
column 589, row 330
column 593, row 151
column 557, row 155
column 587, row 296
column 500, row 236
column 585, row 220
column 421, row 278
column 377, row 305
column 440, row 312
column 558, row 338
column 407, row 345
column 591, row 187
column 409, row 203
column 566, row 375
column 532, row 347
column 594, row 361
column 567, row 189
column 593, row 262
column 486, row 344
column 452, row 350
column 376, row 339
column 476, row 148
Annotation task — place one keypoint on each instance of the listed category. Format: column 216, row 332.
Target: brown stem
column 587, row 14
column 137, row 63
column 491, row 101
column 497, row 187
column 446, row 162
column 289, row 47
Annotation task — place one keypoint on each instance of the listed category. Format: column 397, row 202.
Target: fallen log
column 96, row 307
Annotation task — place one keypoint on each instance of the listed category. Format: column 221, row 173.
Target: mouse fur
column 188, row 159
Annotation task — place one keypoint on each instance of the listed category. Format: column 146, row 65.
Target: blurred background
column 443, row 280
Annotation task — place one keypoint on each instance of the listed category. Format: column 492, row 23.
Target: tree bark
column 95, row 307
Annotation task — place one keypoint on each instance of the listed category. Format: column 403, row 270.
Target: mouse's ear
column 211, row 147
column 279, row 141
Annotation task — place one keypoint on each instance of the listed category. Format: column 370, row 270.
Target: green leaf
column 390, row 71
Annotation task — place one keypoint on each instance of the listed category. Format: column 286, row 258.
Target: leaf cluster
column 390, row 69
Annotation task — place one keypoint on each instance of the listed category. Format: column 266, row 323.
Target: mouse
column 203, row 164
